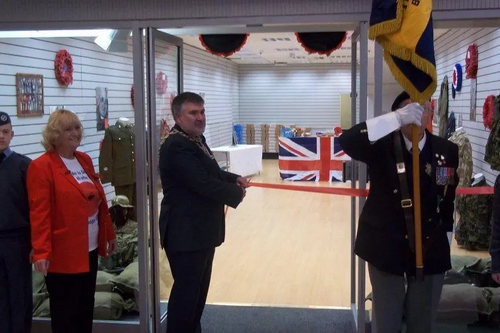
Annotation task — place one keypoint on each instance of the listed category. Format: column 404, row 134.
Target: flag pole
column 417, row 205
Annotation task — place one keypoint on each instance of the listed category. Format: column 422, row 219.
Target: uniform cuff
column 380, row 126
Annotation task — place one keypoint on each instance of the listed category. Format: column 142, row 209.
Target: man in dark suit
column 192, row 219
column 385, row 234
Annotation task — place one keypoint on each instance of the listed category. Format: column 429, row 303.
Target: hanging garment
column 250, row 134
column 443, row 107
column 277, row 134
column 465, row 164
column 264, row 137
column 473, row 230
column 492, row 149
column 450, row 129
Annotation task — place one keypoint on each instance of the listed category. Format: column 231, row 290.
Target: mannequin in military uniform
column 126, row 235
column 117, row 159
column 383, row 238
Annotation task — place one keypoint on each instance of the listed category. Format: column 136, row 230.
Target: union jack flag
column 311, row 159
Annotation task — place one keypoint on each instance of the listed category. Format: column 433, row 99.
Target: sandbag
column 108, row 306
column 38, row 282
column 458, row 263
column 459, row 304
column 43, row 309
column 128, row 280
column 103, row 283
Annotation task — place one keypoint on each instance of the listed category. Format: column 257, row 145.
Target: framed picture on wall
column 101, row 97
column 29, row 93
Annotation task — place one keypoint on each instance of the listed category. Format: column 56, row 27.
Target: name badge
column 445, row 176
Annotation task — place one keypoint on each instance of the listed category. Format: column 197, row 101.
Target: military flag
column 404, row 30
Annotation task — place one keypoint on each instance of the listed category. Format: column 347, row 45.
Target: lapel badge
column 428, row 169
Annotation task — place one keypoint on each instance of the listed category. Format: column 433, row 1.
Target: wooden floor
column 284, row 248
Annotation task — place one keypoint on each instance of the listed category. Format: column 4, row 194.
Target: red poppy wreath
column 64, row 68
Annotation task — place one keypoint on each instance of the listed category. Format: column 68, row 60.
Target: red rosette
column 224, row 45
column 322, row 43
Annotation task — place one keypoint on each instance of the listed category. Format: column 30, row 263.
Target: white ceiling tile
column 269, row 47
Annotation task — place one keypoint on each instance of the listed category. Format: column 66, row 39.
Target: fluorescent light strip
column 53, row 33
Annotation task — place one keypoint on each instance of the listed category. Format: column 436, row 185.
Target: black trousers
column 191, row 272
column 72, row 299
column 16, row 295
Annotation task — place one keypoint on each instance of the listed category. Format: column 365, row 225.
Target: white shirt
column 81, row 177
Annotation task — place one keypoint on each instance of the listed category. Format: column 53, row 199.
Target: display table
column 311, row 159
column 244, row 160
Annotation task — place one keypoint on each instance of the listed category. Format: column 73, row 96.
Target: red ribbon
column 356, row 192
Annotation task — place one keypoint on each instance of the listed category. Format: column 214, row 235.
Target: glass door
column 164, row 73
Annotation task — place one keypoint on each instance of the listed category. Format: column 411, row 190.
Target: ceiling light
column 51, row 33
column 113, row 40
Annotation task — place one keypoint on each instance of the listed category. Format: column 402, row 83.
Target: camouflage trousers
column 473, row 230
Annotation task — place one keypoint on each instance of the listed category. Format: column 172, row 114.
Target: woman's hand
column 496, row 277
column 42, row 266
column 112, row 246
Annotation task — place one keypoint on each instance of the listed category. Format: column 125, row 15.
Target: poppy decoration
column 223, row 45
column 471, row 62
column 63, row 67
column 323, row 43
column 161, row 83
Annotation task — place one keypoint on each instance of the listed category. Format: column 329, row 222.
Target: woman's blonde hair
column 57, row 124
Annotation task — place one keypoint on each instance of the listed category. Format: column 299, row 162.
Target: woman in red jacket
column 70, row 225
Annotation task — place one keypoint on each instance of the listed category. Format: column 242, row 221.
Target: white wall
column 451, row 49
column 93, row 67
column 218, row 78
column 303, row 95
column 215, row 77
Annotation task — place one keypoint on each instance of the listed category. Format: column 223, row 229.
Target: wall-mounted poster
column 473, row 97
column 101, row 95
column 29, row 92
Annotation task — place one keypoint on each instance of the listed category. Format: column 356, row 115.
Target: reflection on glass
column 101, row 97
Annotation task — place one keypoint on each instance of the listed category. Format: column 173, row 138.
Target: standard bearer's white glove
column 410, row 114
column 380, row 126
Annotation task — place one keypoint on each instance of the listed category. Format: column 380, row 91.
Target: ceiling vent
column 286, row 39
column 288, row 50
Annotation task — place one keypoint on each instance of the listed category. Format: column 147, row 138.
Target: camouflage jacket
column 492, row 149
column 474, row 226
column 464, row 157
column 127, row 247
column 443, row 107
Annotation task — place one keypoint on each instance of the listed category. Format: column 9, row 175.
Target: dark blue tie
column 2, row 156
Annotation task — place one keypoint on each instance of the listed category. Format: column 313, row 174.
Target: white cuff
column 450, row 235
column 380, row 126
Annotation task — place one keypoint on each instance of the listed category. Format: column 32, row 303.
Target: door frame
column 151, row 277
column 358, row 170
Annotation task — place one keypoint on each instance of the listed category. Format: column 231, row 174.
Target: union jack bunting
column 311, row 159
